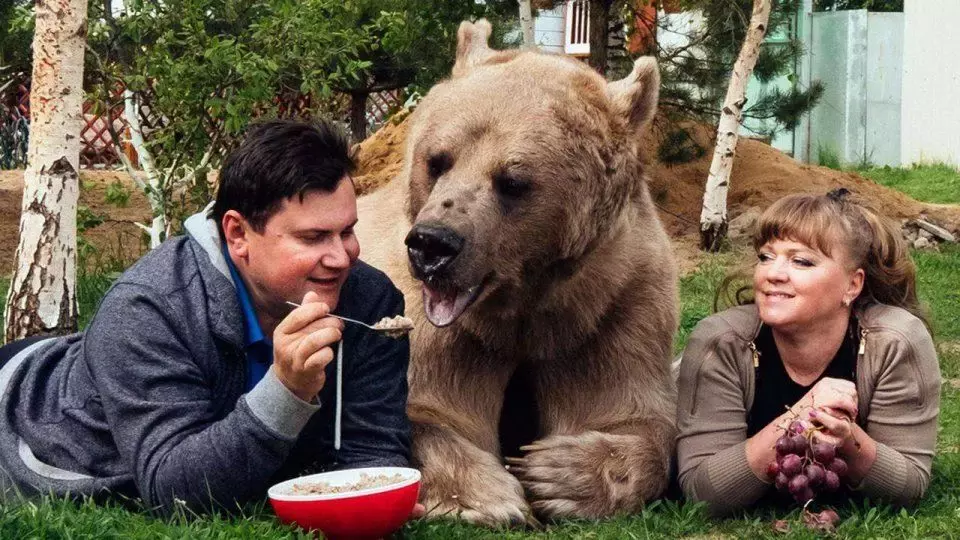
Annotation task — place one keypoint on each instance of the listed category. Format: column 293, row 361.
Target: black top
column 775, row 391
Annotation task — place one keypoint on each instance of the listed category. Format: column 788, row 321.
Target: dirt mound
column 380, row 157
column 761, row 175
column 115, row 238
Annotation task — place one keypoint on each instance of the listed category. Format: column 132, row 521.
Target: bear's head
column 518, row 166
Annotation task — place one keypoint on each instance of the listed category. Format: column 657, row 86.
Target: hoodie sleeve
column 160, row 404
column 375, row 428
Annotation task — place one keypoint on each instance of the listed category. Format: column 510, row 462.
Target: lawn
column 938, row 516
column 930, row 183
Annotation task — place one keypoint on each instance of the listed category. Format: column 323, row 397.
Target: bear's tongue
column 443, row 307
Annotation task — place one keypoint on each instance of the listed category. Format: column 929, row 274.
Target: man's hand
column 302, row 347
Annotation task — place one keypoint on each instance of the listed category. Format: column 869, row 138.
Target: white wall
column 884, row 82
column 548, row 30
column 930, row 118
column 858, row 56
column 838, row 54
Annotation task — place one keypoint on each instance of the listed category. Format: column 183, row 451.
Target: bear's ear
column 635, row 96
column 472, row 48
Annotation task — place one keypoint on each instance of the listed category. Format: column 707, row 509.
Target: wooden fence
column 98, row 149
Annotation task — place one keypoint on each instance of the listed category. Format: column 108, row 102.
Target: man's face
column 305, row 246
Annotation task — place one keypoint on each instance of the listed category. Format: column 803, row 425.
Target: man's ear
column 235, row 230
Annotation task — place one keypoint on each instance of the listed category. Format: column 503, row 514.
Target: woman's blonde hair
column 830, row 223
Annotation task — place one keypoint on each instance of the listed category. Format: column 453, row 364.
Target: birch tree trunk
column 526, row 23
column 153, row 186
column 159, row 186
column 42, row 296
column 713, row 216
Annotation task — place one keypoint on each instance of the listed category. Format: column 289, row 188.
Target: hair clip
column 839, row 194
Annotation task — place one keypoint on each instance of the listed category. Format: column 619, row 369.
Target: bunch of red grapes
column 804, row 467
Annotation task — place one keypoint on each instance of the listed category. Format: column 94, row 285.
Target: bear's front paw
column 493, row 503
column 591, row 475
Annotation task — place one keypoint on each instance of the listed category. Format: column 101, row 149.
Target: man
column 196, row 380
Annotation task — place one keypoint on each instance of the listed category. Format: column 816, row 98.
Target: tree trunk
column 599, row 22
column 619, row 62
column 526, row 23
column 358, row 116
column 153, row 186
column 713, row 217
column 42, row 296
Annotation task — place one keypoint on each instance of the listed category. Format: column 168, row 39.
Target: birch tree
column 160, row 187
column 713, row 216
column 42, row 296
column 526, row 23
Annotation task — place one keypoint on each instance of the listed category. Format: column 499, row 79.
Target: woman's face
column 797, row 286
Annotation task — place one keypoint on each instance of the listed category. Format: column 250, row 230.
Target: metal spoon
column 392, row 332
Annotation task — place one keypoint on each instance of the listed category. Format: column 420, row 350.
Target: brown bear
column 542, row 285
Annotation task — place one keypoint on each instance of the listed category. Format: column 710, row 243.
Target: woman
column 835, row 337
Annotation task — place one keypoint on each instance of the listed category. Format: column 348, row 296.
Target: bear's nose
column 431, row 249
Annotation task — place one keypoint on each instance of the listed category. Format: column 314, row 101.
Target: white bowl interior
column 283, row 490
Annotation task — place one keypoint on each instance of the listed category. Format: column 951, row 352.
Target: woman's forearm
column 761, row 449
column 859, row 451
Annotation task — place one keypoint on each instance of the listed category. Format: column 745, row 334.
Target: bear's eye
column 510, row 186
column 438, row 164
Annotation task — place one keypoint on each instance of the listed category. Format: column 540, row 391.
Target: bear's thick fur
column 541, row 265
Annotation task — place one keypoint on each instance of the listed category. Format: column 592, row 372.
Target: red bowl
column 361, row 514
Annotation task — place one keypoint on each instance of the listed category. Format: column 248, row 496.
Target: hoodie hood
column 204, row 231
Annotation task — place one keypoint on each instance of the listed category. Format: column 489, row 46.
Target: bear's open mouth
column 443, row 306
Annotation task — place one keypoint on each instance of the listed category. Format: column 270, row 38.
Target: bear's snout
column 432, row 249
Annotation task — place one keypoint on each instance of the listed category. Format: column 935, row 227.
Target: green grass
column 57, row 518
column 929, row 183
column 938, row 285
column 828, row 157
column 934, row 183
column 697, row 291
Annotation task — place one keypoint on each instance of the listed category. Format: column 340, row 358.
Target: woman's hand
column 836, row 396
column 832, row 406
column 837, row 428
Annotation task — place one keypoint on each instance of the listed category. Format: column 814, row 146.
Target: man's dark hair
column 278, row 160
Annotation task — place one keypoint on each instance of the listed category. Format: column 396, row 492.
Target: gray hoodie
column 149, row 401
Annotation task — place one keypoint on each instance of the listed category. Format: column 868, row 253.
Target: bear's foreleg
column 596, row 474
column 461, row 480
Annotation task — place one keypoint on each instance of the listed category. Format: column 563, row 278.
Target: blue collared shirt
column 258, row 347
